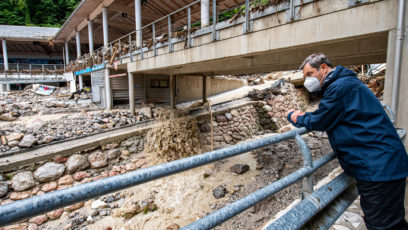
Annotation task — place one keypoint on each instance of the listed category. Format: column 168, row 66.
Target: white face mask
column 312, row 84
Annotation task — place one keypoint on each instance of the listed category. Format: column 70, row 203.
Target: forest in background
column 48, row 13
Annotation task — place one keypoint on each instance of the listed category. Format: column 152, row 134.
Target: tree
column 52, row 13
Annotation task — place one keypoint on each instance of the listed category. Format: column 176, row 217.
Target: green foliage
column 52, row 13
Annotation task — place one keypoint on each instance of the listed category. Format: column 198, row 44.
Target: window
column 159, row 83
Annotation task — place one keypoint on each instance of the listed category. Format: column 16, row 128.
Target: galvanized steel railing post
column 141, row 43
column 43, row 72
column 120, row 52
column 188, row 27
column 154, row 39
column 31, row 72
column 18, row 71
column 169, row 34
column 214, row 25
column 130, row 47
column 247, row 17
column 55, row 70
column 307, row 186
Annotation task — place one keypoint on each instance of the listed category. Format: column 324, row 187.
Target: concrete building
column 185, row 41
column 29, row 55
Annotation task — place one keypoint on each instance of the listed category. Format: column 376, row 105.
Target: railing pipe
column 309, row 207
column 307, row 186
column 247, row 15
column 154, row 39
column 214, row 25
column 169, row 34
column 130, row 47
column 188, row 27
column 37, row 205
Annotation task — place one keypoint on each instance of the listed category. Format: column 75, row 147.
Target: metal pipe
column 138, row 20
column 105, row 26
column 309, row 207
column 205, row 13
column 169, row 34
column 154, row 39
column 214, row 14
column 247, row 26
column 37, row 205
column 90, row 36
column 223, row 214
column 399, row 40
column 188, row 27
column 328, row 216
column 307, row 186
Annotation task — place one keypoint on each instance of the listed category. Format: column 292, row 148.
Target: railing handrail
column 37, row 205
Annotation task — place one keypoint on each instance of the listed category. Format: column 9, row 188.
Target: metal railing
column 33, row 70
column 128, row 46
column 37, row 205
column 332, row 198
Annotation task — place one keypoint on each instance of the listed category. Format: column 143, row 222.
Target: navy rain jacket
column 359, row 129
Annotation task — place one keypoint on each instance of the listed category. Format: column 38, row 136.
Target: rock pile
column 176, row 137
column 15, row 137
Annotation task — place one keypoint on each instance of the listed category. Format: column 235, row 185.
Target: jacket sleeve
column 330, row 112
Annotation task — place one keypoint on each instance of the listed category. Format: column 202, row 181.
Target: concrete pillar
column 90, row 37
column 6, row 64
column 78, row 46
column 131, row 93
column 138, row 20
column 204, row 89
column 402, row 107
column 172, row 91
column 205, row 13
column 105, row 26
column 108, row 90
column 66, row 53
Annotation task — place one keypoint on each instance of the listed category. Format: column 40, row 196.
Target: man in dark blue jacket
column 363, row 137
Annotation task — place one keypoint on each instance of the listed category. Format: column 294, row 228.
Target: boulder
column 7, row 117
column 14, row 137
column 239, row 168
column 219, row 191
column 98, row 160
column 3, row 188
column 22, row 181
column 114, row 153
column 76, row 162
column 27, row 141
column 146, row 111
column 49, row 172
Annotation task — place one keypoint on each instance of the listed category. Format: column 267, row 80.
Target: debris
column 45, row 90
column 219, row 192
column 239, row 168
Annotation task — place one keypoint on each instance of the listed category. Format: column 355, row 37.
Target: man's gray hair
column 316, row 60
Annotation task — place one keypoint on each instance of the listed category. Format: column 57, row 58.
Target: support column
column 6, row 64
column 204, row 89
column 105, row 26
column 108, row 90
column 172, row 91
column 131, row 93
column 401, row 102
column 90, row 37
column 205, row 13
column 66, row 53
column 138, row 20
column 78, row 44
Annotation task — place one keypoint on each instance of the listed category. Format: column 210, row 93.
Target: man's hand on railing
column 295, row 114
